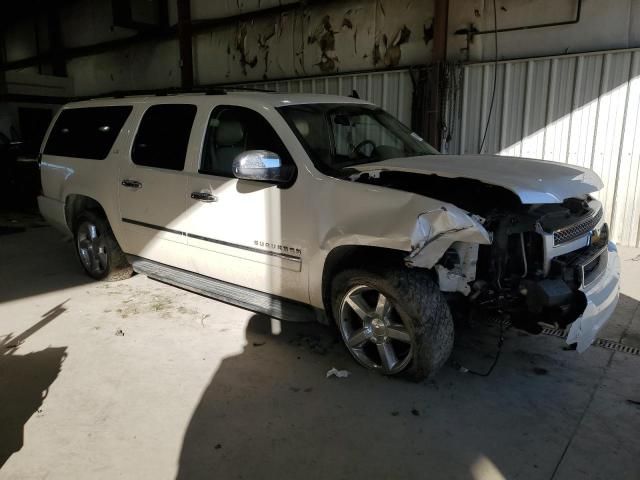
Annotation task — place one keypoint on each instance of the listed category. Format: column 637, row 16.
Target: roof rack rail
column 160, row 92
column 245, row 89
column 172, row 91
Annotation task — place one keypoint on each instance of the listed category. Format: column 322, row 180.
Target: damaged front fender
column 435, row 231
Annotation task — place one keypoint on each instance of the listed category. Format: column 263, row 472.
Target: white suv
column 298, row 204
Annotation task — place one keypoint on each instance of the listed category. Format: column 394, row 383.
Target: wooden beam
column 440, row 27
column 435, row 88
column 185, row 39
column 58, row 62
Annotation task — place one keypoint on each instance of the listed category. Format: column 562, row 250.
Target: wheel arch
column 345, row 257
column 77, row 203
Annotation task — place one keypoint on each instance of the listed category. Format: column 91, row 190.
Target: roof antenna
column 354, row 94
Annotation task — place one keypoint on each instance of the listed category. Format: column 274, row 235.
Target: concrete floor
column 139, row 380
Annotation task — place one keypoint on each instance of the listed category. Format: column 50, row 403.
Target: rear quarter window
column 86, row 132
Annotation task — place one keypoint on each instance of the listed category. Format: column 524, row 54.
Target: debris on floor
column 119, row 333
column 415, row 412
column 334, row 372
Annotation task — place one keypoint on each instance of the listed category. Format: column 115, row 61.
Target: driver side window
column 233, row 130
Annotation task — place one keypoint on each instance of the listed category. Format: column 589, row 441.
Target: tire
column 97, row 248
column 416, row 304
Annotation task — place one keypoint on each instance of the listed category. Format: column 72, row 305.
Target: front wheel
column 98, row 250
column 394, row 321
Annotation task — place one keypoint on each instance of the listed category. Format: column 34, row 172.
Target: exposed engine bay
column 528, row 262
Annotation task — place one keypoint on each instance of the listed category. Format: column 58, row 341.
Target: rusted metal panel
column 314, row 39
column 579, row 109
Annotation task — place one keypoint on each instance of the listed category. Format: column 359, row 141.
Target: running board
column 242, row 297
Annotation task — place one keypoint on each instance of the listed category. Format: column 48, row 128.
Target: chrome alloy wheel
column 373, row 330
column 92, row 248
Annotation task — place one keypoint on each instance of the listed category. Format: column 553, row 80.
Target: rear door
column 152, row 185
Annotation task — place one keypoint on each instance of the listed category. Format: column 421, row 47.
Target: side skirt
column 243, row 297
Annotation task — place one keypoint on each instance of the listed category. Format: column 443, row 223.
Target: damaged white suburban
column 294, row 204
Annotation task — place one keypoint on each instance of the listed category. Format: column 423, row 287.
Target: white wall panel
column 392, row 90
column 578, row 109
column 137, row 67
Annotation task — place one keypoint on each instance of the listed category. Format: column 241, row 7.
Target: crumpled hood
column 534, row 181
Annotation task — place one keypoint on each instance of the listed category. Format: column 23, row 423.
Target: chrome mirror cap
column 261, row 166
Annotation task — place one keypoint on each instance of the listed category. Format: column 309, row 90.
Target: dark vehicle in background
column 19, row 149
column 19, row 175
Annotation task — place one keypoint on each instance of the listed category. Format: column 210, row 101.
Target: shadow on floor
column 24, row 383
column 270, row 412
column 35, row 258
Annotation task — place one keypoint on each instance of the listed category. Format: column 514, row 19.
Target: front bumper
column 602, row 298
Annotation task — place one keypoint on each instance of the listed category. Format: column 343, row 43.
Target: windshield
column 338, row 136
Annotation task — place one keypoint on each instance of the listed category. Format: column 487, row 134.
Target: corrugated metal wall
column 392, row 90
column 578, row 109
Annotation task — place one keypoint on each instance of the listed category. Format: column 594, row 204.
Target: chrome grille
column 594, row 268
column 577, row 230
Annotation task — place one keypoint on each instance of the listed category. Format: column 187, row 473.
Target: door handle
column 131, row 183
column 204, row 197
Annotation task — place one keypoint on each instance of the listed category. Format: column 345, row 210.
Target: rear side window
column 86, row 132
column 163, row 136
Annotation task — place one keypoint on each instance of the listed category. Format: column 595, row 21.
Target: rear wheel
column 98, row 250
column 394, row 322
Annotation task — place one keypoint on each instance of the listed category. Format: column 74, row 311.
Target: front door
column 244, row 232
column 152, row 186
